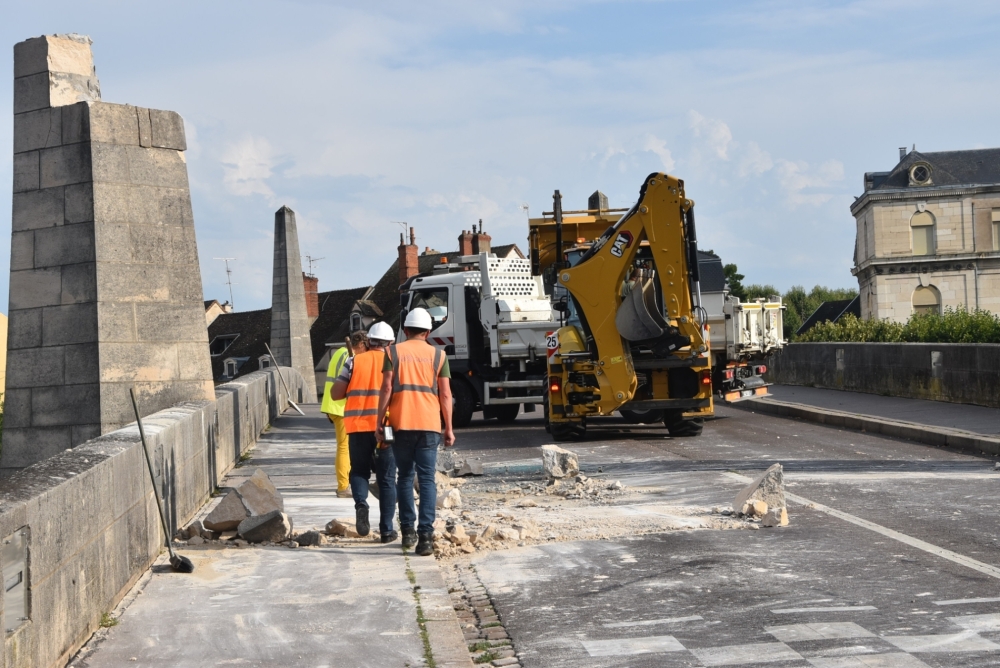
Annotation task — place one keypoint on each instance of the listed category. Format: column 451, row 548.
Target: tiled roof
column 332, row 323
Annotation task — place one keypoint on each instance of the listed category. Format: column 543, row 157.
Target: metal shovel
column 282, row 378
column 178, row 562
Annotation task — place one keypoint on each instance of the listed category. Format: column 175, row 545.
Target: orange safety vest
column 414, row 405
column 361, row 409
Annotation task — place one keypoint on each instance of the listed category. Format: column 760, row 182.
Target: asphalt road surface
column 891, row 558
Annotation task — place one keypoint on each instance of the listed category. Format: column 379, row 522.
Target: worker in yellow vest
column 359, row 381
column 335, row 412
column 416, row 392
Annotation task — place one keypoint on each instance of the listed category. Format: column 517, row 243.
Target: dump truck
column 491, row 316
column 634, row 334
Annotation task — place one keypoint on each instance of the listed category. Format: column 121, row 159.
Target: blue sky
column 442, row 113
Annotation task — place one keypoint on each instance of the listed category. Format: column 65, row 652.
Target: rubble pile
column 764, row 499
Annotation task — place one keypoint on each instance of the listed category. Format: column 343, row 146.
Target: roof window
column 920, row 174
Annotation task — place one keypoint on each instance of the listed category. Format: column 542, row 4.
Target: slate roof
column 254, row 330
column 333, row 321
column 832, row 312
column 948, row 168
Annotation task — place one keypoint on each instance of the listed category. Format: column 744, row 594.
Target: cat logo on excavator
column 622, row 242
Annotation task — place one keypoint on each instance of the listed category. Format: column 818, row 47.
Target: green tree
column 735, row 280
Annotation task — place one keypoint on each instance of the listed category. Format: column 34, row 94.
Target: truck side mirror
column 404, row 299
column 561, row 306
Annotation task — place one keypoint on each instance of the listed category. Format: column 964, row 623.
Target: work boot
column 361, row 521
column 409, row 537
column 388, row 537
column 425, row 546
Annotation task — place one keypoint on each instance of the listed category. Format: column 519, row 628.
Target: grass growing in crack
column 246, row 456
column 486, row 657
column 421, row 620
column 108, row 620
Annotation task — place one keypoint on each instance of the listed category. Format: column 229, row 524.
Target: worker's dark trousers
column 416, row 450
column 363, row 460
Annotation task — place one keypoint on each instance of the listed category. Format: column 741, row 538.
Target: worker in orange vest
column 359, row 382
column 416, row 391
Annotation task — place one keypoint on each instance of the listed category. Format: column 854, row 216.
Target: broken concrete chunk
column 776, row 517
column 445, row 461
column 196, row 540
column 489, row 531
column 450, row 499
column 228, row 514
column 342, row 527
column 559, row 462
column 196, row 529
column 310, row 539
column 754, row 509
column 259, row 495
column 769, row 488
column 469, row 467
column 458, row 535
column 274, row 527
column 227, row 535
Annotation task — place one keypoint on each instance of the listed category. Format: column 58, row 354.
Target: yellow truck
column 634, row 335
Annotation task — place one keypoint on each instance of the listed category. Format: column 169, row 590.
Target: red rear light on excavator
column 706, row 377
column 555, row 386
column 728, row 374
column 761, row 369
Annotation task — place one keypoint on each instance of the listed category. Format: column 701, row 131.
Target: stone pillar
column 598, row 201
column 290, row 319
column 105, row 288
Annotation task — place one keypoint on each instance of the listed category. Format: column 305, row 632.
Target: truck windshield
column 435, row 301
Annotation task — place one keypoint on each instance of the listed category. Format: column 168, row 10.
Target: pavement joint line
column 958, row 439
column 964, row 601
column 653, row 622
column 835, row 608
column 930, row 548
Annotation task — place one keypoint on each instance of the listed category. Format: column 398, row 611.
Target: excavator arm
column 625, row 299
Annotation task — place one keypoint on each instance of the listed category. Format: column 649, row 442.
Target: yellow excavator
column 633, row 334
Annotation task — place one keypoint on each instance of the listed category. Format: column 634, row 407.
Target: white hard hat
column 419, row 318
column 381, row 331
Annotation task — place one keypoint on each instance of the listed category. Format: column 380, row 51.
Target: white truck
column 491, row 317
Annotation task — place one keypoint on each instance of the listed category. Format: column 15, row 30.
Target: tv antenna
column 313, row 260
column 524, row 207
column 229, row 278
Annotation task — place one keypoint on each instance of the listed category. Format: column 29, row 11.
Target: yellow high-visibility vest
column 331, row 407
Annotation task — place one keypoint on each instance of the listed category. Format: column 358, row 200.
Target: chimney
column 408, row 265
column 465, row 242
column 902, row 153
column 598, row 201
column 480, row 240
column 311, row 284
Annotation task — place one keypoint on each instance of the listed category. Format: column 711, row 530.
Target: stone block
column 26, row 172
column 37, row 129
column 17, row 407
column 25, row 446
column 65, row 165
column 111, row 203
column 65, row 244
column 150, row 244
column 114, row 124
column 137, row 283
column 76, row 123
column 116, row 322
column 110, row 163
column 769, row 487
column 274, row 526
column 145, row 129
column 193, row 360
column 168, row 130
column 122, row 362
column 259, row 495
column 22, row 250
column 37, row 209
column 169, row 323
column 228, row 515
column 158, row 167
column 79, row 203
column 559, row 462
column 31, row 57
column 113, row 243
column 185, row 247
column 65, row 405
column 81, row 433
column 79, row 283
column 160, row 206
column 31, row 92
column 81, row 363
column 341, row 527
column 33, row 288
column 69, row 323
column 185, row 286
column 24, row 329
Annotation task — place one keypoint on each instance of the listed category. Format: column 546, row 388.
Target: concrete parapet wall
column 91, row 516
column 965, row 373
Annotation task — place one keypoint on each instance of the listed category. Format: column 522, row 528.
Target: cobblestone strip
column 488, row 641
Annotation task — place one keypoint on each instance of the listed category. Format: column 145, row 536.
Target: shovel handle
column 152, row 478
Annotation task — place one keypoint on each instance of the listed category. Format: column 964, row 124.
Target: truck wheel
column 679, row 427
column 567, row 431
column 504, row 413
column 463, row 404
column 642, row 417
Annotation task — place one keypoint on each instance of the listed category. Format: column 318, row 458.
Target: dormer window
column 356, row 324
column 920, row 174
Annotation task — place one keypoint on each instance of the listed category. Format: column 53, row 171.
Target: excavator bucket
column 638, row 317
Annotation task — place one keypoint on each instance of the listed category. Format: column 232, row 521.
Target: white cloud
column 716, row 134
column 659, row 147
column 797, row 176
column 754, row 160
column 247, row 164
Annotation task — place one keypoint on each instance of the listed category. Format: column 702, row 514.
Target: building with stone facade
column 928, row 235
